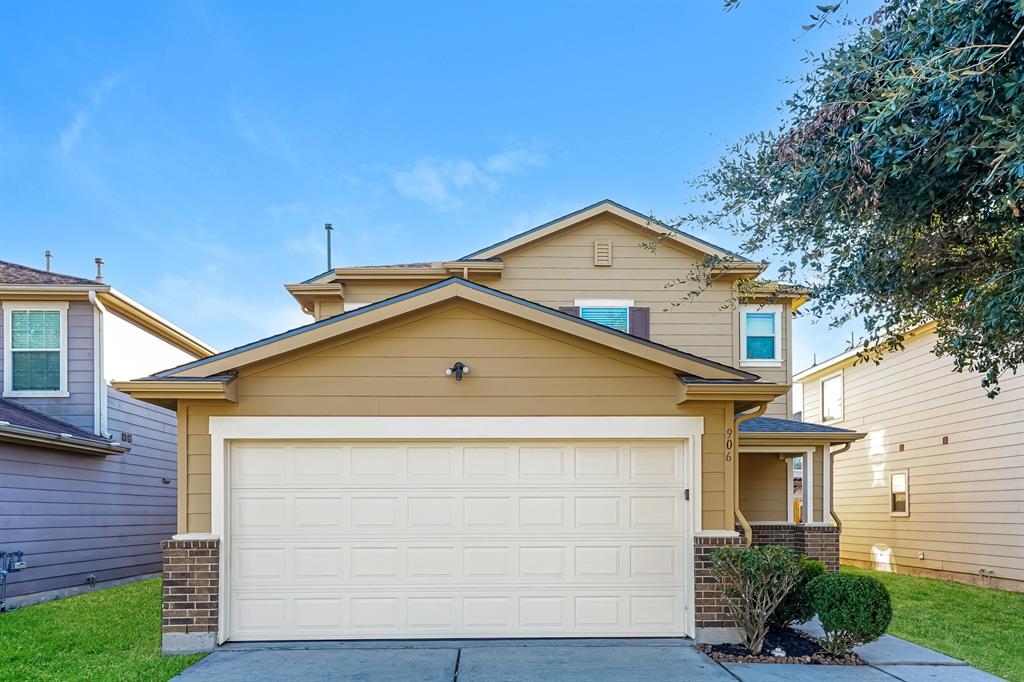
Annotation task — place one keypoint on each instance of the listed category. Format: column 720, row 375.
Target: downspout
column 748, row 534
column 832, row 484
column 99, row 380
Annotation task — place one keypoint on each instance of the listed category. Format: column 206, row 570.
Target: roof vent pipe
column 328, row 228
column 48, row 256
column 99, row 269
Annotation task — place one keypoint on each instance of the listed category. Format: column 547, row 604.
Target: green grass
column 111, row 634
column 984, row 627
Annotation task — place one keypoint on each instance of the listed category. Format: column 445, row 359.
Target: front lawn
column 111, row 634
column 982, row 626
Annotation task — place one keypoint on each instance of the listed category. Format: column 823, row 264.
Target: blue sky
column 199, row 147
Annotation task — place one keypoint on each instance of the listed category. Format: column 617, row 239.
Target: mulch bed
column 799, row 648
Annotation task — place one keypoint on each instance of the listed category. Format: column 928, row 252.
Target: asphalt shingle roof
column 773, row 425
column 16, row 414
column 12, row 273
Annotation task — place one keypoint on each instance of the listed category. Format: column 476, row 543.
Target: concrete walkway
column 555, row 660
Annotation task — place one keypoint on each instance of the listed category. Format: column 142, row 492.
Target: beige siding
column 518, row 369
column 558, row 270
column 966, row 497
column 764, row 483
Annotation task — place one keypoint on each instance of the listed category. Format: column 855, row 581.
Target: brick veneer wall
column 817, row 542
column 786, row 534
column 822, row 543
column 708, row 601
column 190, row 608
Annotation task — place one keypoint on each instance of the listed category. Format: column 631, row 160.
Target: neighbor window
column 35, row 340
column 832, row 397
column 612, row 313
column 761, row 335
column 899, row 494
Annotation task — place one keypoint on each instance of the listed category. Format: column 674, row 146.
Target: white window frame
column 906, row 477
column 626, row 303
column 776, row 310
column 842, row 397
column 11, row 306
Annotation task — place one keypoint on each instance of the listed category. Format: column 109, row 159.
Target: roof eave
column 849, row 358
column 798, row 437
column 49, row 291
column 136, row 313
column 615, row 208
column 451, row 289
column 166, row 392
column 22, row 435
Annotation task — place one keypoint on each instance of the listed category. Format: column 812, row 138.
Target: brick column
column 714, row 624
column 821, row 543
column 190, row 609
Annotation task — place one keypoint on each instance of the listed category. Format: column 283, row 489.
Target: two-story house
column 937, row 486
column 87, row 473
column 528, row 441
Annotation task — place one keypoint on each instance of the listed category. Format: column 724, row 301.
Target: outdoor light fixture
column 458, row 369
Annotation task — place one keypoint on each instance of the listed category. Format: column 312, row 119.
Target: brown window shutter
column 573, row 310
column 640, row 322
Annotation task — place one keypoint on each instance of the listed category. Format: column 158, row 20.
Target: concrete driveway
column 548, row 660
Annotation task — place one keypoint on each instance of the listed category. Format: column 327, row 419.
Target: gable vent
column 603, row 253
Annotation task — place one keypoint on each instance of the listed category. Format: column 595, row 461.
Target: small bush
column 754, row 581
column 853, row 609
column 796, row 606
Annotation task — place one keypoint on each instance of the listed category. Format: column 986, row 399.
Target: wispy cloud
column 444, row 182
column 70, row 135
column 204, row 298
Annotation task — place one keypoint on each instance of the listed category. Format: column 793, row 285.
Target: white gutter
column 63, row 441
column 99, row 379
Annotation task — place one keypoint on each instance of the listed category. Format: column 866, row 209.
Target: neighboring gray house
column 88, row 475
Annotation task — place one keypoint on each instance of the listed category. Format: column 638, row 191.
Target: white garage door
column 421, row 540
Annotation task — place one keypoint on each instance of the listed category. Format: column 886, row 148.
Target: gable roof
column 607, row 206
column 21, row 275
column 488, row 259
column 25, row 425
column 450, row 289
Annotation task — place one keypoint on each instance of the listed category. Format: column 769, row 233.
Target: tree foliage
column 895, row 185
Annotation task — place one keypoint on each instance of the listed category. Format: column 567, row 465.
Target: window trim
column 626, row 303
column 906, row 474
column 842, row 396
column 11, row 306
column 776, row 310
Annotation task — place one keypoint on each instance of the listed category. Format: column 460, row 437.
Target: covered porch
column 785, row 485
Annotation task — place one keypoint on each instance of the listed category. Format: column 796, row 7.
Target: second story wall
column 965, row 495
column 560, row 270
column 79, row 405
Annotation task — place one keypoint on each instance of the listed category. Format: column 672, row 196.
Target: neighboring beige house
column 529, row 441
column 937, row 486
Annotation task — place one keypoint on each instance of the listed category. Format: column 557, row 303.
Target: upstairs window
column 35, row 343
column 832, row 398
column 761, row 335
column 612, row 313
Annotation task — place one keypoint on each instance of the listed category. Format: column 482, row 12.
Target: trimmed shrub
column 796, row 606
column 853, row 609
column 754, row 581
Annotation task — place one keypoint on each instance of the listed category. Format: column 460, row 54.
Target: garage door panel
column 523, row 612
column 446, row 512
column 456, row 539
column 411, row 562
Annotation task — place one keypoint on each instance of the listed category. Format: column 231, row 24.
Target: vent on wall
column 603, row 253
